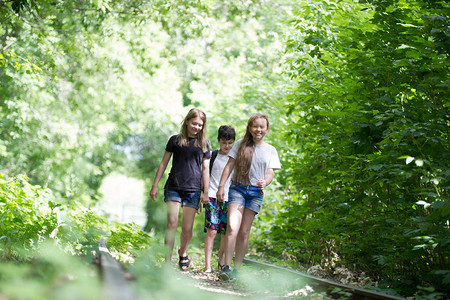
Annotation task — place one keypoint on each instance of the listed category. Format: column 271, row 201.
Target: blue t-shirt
column 186, row 171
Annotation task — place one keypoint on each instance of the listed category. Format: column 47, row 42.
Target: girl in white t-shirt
column 253, row 162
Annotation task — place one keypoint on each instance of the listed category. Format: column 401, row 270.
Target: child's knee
column 244, row 234
column 211, row 233
column 172, row 223
column 186, row 232
column 233, row 230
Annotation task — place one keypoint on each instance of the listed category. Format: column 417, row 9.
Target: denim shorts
column 189, row 199
column 249, row 196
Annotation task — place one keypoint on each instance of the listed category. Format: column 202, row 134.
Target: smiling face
column 194, row 126
column 258, row 129
column 225, row 146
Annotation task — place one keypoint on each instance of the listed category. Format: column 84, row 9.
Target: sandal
column 219, row 266
column 183, row 262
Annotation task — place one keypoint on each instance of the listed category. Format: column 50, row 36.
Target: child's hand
column 220, row 194
column 205, row 198
column 154, row 193
column 261, row 183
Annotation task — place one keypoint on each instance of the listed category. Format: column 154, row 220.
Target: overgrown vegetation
column 366, row 151
column 48, row 244
column 32, row 215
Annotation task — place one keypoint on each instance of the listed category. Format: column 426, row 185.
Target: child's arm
column 205, row 181
column 159, row 173
column 262, row 183
column 223, row 179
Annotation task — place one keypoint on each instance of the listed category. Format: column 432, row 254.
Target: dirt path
column 252, row 284
column 210, row 282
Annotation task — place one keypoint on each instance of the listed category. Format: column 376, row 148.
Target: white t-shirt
column 264, row 157
column 216, row 172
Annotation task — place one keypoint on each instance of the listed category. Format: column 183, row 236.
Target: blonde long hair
column 245, row 152
column 201, row 140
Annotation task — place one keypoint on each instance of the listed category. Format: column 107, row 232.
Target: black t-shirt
column 186, row 172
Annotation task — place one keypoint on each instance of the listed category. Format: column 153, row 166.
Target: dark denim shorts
column 249, row 196
column 189, row 199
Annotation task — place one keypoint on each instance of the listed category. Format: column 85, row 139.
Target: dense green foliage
column 32, row 215
column 40, row 239
column 358, row 103
column 27, row 215
column 366, row 148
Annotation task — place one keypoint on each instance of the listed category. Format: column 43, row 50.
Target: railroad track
column 269, row 280
column 115, row 285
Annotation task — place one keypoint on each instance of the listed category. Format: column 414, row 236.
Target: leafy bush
column 366, row 165
column 126, row 241
column 30, row 216
column 42, row 242
column 27, row 216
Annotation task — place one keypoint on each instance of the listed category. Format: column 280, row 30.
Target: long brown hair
column 201, row 140
column 245, row 152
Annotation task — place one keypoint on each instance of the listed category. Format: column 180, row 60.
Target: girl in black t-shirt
column 188, row 176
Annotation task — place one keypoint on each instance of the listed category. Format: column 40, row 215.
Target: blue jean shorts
column 249, row 196
column 189, row 199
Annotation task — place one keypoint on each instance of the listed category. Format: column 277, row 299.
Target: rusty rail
column 115, row 285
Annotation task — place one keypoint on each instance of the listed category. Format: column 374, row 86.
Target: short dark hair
column 226, row 132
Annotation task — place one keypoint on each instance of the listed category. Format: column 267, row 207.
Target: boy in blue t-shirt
column 216, row 212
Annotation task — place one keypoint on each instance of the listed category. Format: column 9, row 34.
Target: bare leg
column 186, row 228
column 209, row 244
column 243, row 236
column 173, row 208
column 221, row 252
column 235, row 212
